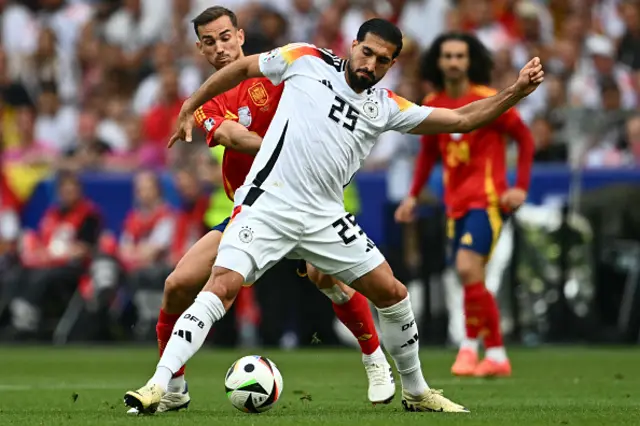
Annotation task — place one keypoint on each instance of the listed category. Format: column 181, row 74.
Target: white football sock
column 374, row 358
column 336, row 294
column 188, row 335
column 470, row 344
column 497, row 354
column 399, row 335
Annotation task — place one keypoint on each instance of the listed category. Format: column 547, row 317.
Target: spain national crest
column 259, row 94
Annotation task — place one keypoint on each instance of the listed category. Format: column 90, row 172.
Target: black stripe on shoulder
column 332, row 60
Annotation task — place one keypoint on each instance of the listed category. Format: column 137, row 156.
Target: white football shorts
column 261, row 234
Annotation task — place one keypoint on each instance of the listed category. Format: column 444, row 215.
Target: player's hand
column 513, row 198
column 406, row 211
column 530, row 77
column 184, row 126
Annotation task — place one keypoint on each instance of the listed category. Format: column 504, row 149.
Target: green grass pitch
column 550, row 386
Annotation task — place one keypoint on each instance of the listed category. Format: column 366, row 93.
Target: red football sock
column 474, row 301
column 492, row 331
column 356, row 315
column 164, row 327
column 247, row 307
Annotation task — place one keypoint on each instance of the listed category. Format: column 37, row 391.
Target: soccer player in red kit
column 477, row 197
column 237, row 120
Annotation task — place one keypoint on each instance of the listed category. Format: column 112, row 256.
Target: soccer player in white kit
column 291, row 204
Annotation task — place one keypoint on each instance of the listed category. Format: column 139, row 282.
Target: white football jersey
column 322, row 130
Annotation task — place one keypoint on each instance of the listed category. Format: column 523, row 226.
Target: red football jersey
column 475, row 171
column 252, row 103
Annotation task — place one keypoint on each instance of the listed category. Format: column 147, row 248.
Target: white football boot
column 382, row 386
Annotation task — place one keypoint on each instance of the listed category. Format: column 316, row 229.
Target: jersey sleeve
column 280, row 63
column 209, row 117
column 405, row 115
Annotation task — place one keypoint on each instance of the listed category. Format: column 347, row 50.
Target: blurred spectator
column 111, row 127
column 159, row 121
column 629, row 46
column 147, row 234
column 29, row 161
column 19, row 34
column 137, row 24
column 478, row 16
column 145, row 249
column 66, row 19
column 149, row 91
column 12, row 95
column 55, row 256
column 546, row 150
column 56, row 124
column 140, row 154
column 422, row 20
column 88, row 151
column 533, row 37
column 10, row 227
column 584, row 85
column 49, row 64
column 329, row 32
column 303, row 17
column 607, row 134
column 190, row 218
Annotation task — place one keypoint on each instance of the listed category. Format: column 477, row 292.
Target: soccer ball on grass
column 253, row 384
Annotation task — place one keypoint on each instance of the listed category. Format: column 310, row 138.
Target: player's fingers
column 173, row 140
column 538, row 78
column 187, row 132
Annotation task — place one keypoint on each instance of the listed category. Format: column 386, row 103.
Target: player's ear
column 241, row 37
column 199, row 46
column 354, row 43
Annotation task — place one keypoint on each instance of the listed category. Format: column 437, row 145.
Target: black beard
column 357, row 83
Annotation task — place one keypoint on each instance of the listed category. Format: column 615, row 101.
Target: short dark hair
column 383, row 29
column 480, row 61
column 211, row 14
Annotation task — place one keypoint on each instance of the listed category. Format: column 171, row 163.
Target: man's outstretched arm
column 225, row 79
column 484, row 111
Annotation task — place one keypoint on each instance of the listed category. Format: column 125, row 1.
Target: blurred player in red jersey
column 476, row 193
column 237, row 120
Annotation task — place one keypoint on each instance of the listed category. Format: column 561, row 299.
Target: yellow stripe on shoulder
column 485, row 91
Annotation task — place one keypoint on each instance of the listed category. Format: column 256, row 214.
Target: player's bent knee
column 321, row 280
column 381, row 287
column 225, row 284
column 177, row 296
column 470, row 267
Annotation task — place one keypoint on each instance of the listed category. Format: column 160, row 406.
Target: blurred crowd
column 96, row 85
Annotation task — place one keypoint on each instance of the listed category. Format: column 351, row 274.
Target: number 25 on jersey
column 348, row 118
column 457, row 153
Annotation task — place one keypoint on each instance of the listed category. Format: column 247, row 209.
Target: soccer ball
column 253, row 384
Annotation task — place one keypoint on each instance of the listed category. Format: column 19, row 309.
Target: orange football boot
column 466, row 363
column 491, row 368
